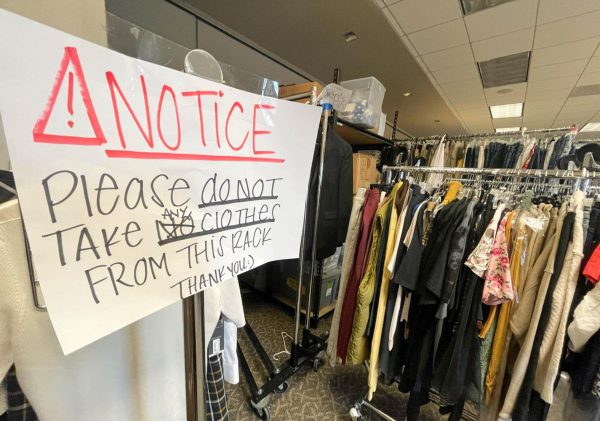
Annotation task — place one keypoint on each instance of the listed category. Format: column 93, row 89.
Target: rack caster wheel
column 260, row 409
column 266, row 415
column 355, row 414
column 316, row 363
column 262, row 413
column 282, row 388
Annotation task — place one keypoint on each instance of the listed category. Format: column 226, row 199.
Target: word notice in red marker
column 140, row 185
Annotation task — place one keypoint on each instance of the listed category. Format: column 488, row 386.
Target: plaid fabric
column 214, row 392
column 19, row 408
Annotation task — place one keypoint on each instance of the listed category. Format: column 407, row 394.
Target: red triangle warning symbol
column 70, row 60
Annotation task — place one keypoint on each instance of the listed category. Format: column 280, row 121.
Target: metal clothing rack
column 489, row 134
column 307, row 350
column 506, row 172
column 577, row 176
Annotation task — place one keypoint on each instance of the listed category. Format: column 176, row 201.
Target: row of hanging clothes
column 460, row 289
column 524, row 151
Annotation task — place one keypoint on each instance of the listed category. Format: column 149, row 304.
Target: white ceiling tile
column 441, row 37
column 478, row 124
column 538, row 123
column 471, row 85
column 542, row 108
column 569, row 29
column 517, row 94
column 589, row 78
column 541, row 115
column 547, row 94
column 409, row 45
column 594, row 64
column 380, row 3
column 469, row 104
column 583, row 102
column 552, row 10
column 508, row 17
column 390, row 2
column 392, row 20
column 549, row 84
column 456, row 74
column 558, row 70
column 414, row 15
column 451, row 57
column 504, row 45
column 563, row 120
column 474, row 114
column 577, row 115
column 472, row 107
column 564, row 52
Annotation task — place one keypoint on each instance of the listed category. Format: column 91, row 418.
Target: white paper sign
column 140, row 185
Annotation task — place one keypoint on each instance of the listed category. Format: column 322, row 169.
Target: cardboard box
column 364, row 171
column 302, row 89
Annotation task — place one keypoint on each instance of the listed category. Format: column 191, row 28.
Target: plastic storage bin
column 364, row 108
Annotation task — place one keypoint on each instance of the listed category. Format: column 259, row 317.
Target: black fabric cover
column 336, row 196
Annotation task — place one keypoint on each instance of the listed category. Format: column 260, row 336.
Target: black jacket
column 336, row 196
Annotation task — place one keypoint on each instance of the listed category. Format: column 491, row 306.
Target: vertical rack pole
column 313, row 252
column 294, row 350
column 193, row 332
column 395, row 126
column 328, row 122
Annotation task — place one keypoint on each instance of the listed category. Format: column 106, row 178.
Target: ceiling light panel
column 507, row 110
column 472, row 6
column 505, row 70
column 507, row 129
column 591, row 127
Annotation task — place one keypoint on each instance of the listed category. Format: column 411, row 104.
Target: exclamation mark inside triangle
column 70, row 73
column 70, row 99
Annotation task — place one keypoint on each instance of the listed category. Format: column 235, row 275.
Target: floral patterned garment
column 497, row 288
column 479, row 259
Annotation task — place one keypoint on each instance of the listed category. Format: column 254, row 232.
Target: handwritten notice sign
column 141, row 185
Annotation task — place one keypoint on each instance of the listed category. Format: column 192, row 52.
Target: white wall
column 83, row 18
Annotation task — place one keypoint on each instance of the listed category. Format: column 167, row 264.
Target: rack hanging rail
column 508, row 172
column 488, row 134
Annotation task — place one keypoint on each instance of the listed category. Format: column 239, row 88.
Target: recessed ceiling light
column 507, row 110
column 407, row 93
column 591, row 127
column 507, row 129
column 350, row 36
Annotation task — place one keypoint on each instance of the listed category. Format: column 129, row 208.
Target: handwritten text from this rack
column 187, row 223
column 155, row 120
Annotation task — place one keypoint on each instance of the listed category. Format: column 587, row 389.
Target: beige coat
column 520, row 366
column 554, row 336
column 519, row 322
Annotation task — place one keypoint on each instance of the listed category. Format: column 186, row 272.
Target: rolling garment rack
column 311, row 346
column 306, row 350
column 581, row 179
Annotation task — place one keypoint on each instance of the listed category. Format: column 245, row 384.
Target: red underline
column 187, row 156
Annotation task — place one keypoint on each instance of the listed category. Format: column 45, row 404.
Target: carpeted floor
column 328, row 393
